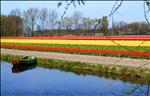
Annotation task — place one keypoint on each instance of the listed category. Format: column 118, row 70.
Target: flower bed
column 82, row 42
column 119, row 46
column 97, row 47
column 145, row 37
column 113, row 52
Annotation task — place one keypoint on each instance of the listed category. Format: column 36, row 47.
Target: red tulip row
column 145, row 37
column 113, row 52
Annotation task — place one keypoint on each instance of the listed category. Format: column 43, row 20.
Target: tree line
column 44, row 22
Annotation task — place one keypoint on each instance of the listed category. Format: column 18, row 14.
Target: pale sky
column 130, row 11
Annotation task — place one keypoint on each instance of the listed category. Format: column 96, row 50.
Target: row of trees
column 34, row 21
column 134, row 28
column 11, row 25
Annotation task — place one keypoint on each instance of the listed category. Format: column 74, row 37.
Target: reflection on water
column 51, row 82
column 139, row 87
column 22, row 68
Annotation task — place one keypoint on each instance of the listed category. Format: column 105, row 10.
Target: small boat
column 25, row 61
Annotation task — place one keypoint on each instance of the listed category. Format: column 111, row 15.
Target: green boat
column 25, row 61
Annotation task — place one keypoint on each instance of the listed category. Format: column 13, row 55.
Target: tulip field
column 118, row 46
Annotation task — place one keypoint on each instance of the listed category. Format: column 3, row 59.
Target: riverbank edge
column 142, row 74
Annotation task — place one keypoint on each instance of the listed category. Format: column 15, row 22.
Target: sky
column 130, row 11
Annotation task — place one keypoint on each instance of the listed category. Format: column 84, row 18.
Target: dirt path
column 128, row 62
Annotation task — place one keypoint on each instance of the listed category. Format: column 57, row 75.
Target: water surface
column 38, row 81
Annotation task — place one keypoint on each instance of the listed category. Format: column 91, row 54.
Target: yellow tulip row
column 81, row 42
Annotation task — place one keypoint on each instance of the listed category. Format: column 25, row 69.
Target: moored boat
column 25, row 61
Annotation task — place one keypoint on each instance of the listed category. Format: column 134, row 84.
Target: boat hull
column 25, row 61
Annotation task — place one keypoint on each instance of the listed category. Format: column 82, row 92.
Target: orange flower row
column 113, row 52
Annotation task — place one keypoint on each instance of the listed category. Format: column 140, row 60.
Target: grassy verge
column 125, row 73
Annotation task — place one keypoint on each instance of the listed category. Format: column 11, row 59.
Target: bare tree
column 26, row 24
column 52, row 18
column 88, row 23
column 77, row 16
column 32, row 16
column 15, row 12
column 67, row 23
column 115, row 28
column 43, row 14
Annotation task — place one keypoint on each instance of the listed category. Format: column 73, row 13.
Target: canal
column 42, row 81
